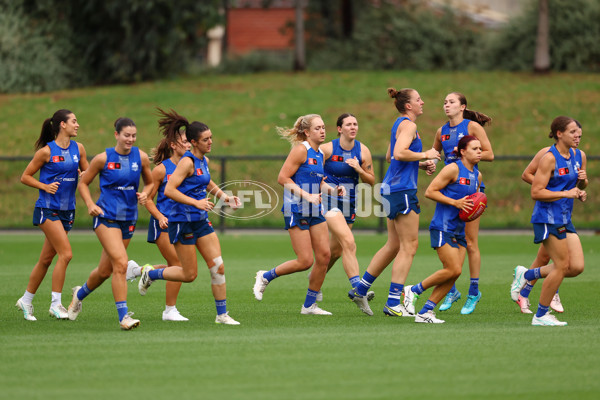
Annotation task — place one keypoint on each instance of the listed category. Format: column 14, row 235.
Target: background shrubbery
column 52, row 44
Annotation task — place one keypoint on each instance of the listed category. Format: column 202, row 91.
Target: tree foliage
column 62, row 43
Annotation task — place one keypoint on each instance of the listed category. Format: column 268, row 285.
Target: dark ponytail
column 172, row 126
column 51, row 127
column 472, row 115
column 401, row 98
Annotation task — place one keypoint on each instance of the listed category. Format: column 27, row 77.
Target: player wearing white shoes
column 303, row 181
column 399, row 191
column 542, row 257
column 462, row 122
column 165, row 156
column 450, row 189
column 115, row 215
column 188, row 223
column 554, row 188
column 59, row 160
column 346, row 161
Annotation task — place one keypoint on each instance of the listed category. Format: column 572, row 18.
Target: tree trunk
column 542, row 45
column 299, row 48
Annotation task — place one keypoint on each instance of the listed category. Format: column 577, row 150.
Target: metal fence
column 254, row 177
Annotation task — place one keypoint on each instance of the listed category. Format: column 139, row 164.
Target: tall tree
column 299, row 48
column 542, row 44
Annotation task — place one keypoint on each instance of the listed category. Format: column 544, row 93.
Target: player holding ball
column 452, row 189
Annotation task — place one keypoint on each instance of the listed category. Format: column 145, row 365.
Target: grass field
column 279, row 354
column 243, row 112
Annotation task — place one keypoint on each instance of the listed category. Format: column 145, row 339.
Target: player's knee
column 305, row 262
column 66, row 256
column 348, row 244
column 575, row 269
column 217, row 272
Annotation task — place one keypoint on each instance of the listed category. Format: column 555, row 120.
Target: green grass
column 279, row 354
column 243, row 112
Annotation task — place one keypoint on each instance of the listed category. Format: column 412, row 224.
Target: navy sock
column 270, row 275
column 156, row 274
column 526, row 289
column 533, row 274
column 221, row 306
column 474, row 287
column 429, row 305
column 418, row 288
column 452, row 290
column 365, row 284
column 83, row 292
column 394, row 295
column 311, row 298
column 354, row 281
column 541, row 311
column 121, row 309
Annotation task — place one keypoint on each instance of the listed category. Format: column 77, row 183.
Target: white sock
column 137, row 271
column 56, row 298
column 28, row 297
column 169, row 308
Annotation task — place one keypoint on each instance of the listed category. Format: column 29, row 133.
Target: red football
column 479, row 205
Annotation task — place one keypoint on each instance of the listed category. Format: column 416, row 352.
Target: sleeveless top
column 338, row 172
column 163, row 203
column 401, row 175
column 119, row 182
column 564, row 177
column 62, row 167
column 446, row 217
column 308, row 176
column 449, row 136
column 195, row 187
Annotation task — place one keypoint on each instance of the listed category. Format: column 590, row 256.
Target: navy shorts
column 542, row 231
column 189, row 232
column 154, row 230
column 347, row 208
column 440, row 238
column 401, row 203
column 302, row 222
column 40, row 215
column 127, row 227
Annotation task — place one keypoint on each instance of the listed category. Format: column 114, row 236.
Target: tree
column 299, row 48
column 541, row 63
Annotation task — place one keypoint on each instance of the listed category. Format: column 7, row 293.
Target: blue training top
column 450, row 136
column 446, row 217
column 564, row 177
column 401, row 175
column 62, row 167
column 119, row 182
column 195, row 187
column 337, row 172
column 163, row 203
column 308, row 176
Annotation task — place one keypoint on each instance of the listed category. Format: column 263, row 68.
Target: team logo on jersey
column 563, row 171
column 168, row 177
column 445, row 137
column 199, row 171
column 114, row 165
column 460, row 136
column 312, row 161
column 58, row 159
column 464, row 181
column 75, row 158
column 337, row 158
column 134, row 166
